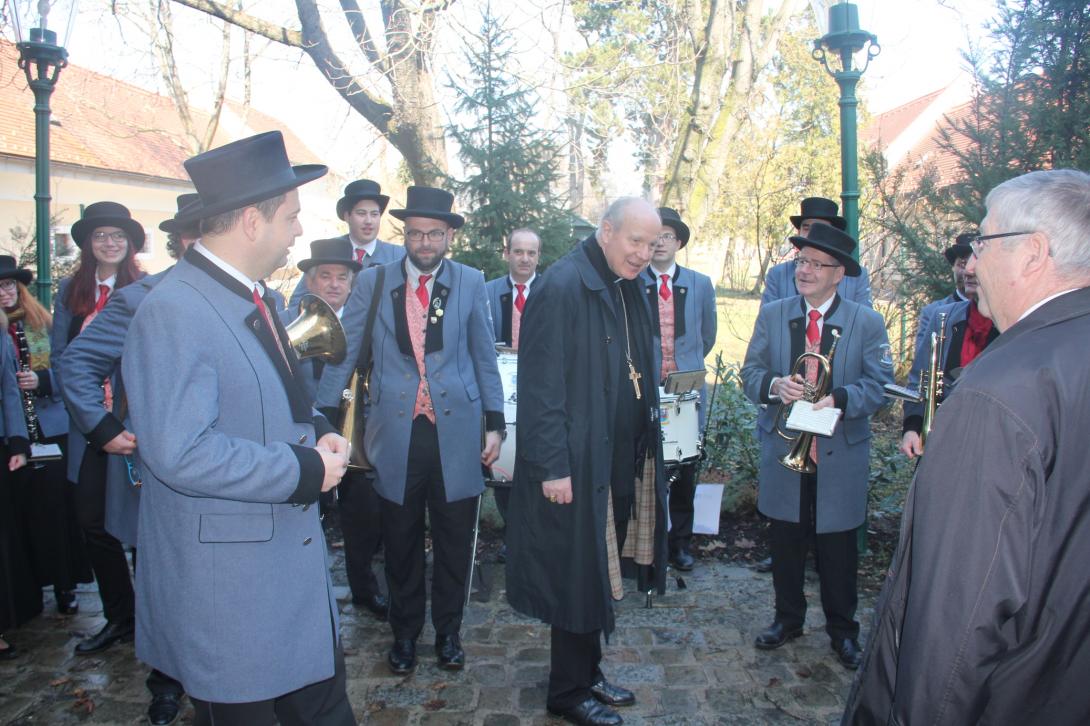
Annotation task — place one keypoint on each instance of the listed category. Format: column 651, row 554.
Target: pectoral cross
column 634, row 376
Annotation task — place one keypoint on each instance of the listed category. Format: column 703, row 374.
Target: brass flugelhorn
column 317, row 332
column 930, row 388
column 798, row 457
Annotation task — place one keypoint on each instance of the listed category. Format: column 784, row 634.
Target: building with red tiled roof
column 112, row 140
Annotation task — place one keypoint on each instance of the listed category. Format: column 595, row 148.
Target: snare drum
column 503, row 469
column 680, row 427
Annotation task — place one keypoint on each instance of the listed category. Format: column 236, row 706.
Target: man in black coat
column 588, row 455
column 984, row 614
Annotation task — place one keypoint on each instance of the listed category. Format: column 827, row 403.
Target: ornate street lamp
column 42, row 56
column 845, row 39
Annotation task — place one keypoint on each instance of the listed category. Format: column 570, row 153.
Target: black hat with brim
column 243, row 173
column 336, row 251
column 819, row 208
column 108, row 214
column 831, row 240
column 960, row 248
column 184, row 201
column 9, row 269
column 358, row 191
column 672, row 219
column 431, row 203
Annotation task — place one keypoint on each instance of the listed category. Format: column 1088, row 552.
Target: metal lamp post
column 41, row 57
column 845, row 39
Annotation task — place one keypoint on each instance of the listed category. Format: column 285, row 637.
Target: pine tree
column 510, row 163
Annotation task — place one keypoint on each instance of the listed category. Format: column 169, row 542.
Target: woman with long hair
column 108, row 238
column 20, row 595
column 45, row 499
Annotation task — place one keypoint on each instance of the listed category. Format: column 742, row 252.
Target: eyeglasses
column 418, row 235
column 978, row 243
column 667, row 237
column 134, row 471
column 804, row 262
column 118, row 236
column 7, row 285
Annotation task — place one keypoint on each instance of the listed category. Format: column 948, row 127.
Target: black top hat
column 358, row 191
column 431, row 203
column 960, row 248
column 8, row 270
column 337, row 251
column 819, row 208
column 829, row 239
column 107, row 214
column 184, row 200
column 671, row 218
column 243, row 173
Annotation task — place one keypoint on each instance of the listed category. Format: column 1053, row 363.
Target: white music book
column 803, row 417
column 45, row 452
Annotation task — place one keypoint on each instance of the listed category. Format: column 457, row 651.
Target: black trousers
column 503, row 499
column 158, row 683
column 682, row 493
column 103, row 549
column 575, row 665
column 838, row 554
column 403, row 537
column 361, row 524
column 324, row 703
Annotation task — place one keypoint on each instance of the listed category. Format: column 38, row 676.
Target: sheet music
column 44, row 452
column 803, row 417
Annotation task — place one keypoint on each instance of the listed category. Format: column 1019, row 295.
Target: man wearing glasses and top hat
column 780, row 280
column 831, row 501
column 361, row 208
column 234, row 598
column 434, row 396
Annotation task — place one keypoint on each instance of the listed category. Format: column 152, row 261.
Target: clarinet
column 33, row 427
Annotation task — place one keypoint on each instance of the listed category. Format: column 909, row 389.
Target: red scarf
column 976, row 335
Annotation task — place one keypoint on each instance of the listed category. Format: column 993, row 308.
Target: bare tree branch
column 248, row 22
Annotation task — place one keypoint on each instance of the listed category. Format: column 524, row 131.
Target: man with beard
column 983, row 616
column 433, row 377
column 589, row 486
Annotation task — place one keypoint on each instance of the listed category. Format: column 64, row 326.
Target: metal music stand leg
column 473, row 552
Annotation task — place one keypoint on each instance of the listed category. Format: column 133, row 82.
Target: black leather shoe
column 164, row 709
column 120, row 631
column 612, row 695
column 402, row 657
column 588, row 713
column 66, row 601
column 681, row 559
column 848, row 653
column 449, row 650
column 375, row 602
column 776, row 635
column 764, row 565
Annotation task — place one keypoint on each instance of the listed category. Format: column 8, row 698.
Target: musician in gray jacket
column 91, row 358
column 234, row 598
column 683, row 314
column 833, row 500
column 434, row 382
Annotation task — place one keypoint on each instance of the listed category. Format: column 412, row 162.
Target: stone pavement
column 689, row 658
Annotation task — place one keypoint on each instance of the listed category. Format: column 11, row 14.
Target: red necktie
column 520, row 298
column 103, row 296
column 976, row 335
column 422, row 292
column 360, row 253
column 664, row 291
column 813, row 335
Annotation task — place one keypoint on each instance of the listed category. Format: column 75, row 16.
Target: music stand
column 684, row 381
